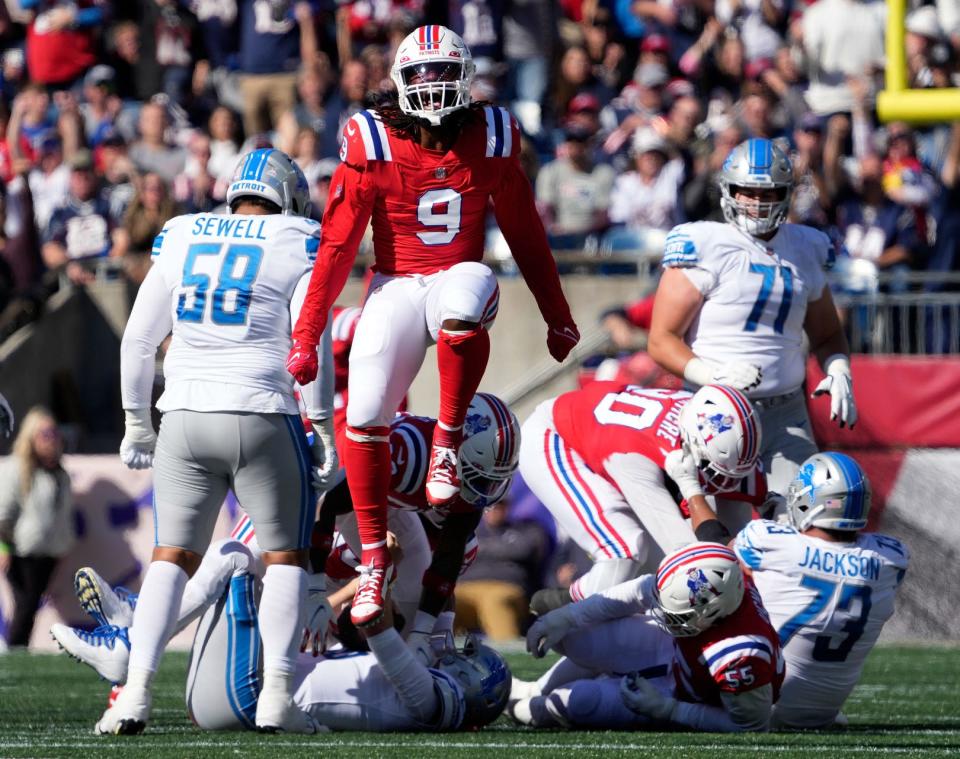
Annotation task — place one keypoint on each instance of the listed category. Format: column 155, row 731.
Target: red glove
column 302, row 362
column 562, row 339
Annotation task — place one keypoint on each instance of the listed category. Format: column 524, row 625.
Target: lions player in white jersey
column 828, row 587
column 736, row 300
column 228, row 288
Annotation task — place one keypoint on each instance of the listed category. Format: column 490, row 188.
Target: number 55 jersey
column 225, row 285
column 828, row 602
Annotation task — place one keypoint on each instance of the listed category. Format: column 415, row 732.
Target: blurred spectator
column 310, row 112
column 151, row 208
column 194, row 188
column 81, row 228
column 606, row 55
column 171, row 44
column 494, row 593
column 756, row 21
column 640, row 101
column 275, row 35
column 923, row 32
column 28, row 120
column 576, row 77
column 36, row 517
column 114, row 165
column 152, row 152
column 530, row 38
column 12, row 72
column 347, row 100
column 320, row 188
column 50, row 179
column 573, row 193
column 101, row 105
column 61, row 39
column 218, row 25
column 647, row 199
column 841, row 38
column 812, row 197
column 224, row 145
column 756, row 115
column 701, row 194
column 124, row 59
column 480, row 24
column 381, row 21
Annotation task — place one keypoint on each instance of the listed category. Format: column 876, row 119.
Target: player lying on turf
column 595, row 458
column 697, row 644
column 828, row 586
column 384, row 690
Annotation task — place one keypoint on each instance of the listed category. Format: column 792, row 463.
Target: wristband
column 698, row 372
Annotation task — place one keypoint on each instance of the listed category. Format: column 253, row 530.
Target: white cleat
column 523, row 689
column 106, row 649
column 108, row 606
column 276, row 713
column 128, row 715
column 443, row 478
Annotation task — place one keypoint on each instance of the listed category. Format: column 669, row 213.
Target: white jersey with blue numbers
column 755, row 295
column 828, row 602
column 224, row 285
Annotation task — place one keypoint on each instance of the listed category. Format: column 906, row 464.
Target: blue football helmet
column 272, row 175
column 485, row 678
column 756, row 164
column 830, row 491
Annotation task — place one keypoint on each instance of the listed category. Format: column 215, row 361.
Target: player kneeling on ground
column 695, row 638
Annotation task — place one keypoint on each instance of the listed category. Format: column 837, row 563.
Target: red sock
column 462, row 359
column 366, row 457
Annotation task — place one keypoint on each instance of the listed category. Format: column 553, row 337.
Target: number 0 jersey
column 828, row 602
column 225, row 283
column 755, row 295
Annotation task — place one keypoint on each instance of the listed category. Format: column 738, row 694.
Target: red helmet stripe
column 689, row 555
column 747, row 420
column 505, row 438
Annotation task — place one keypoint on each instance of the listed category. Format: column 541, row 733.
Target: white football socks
column 281, row 626
column 153, row 620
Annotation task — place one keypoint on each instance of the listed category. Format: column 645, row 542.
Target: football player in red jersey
column 703, row 655
column 424, row 169
column 597, row 458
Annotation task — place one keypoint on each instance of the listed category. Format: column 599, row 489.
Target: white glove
column 640, row 696
column 6, row 417
column 139, row 439
column 736, row 374
column 317, row 615
column 549, row 630
column 839, row 384
column 682, row 468
column 324, row 453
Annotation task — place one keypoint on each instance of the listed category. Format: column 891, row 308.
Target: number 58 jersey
column 755, row 295
column 228, row 282
column 828, row 602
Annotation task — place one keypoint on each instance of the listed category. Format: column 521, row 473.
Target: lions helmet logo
column 475, row 423
column 805, row 477
column 699, row 587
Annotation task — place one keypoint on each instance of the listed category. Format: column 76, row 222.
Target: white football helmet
column 272, row 175
column 697, row 585
column 490, row 450
column 718, row 425
column 756, row 164
column 433, row 72
column 830, row 491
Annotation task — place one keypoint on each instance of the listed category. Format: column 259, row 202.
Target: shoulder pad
column 680, row 248
column 503, row 133
column 365, row 139
column 168, row 226
column 890, row 548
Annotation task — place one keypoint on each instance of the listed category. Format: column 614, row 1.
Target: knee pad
column 471, row 294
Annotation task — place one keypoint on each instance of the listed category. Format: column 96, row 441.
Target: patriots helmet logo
column 714, row 424
column 475, row 423
column 701, row 591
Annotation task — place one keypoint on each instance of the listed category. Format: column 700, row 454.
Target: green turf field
column 907, row 705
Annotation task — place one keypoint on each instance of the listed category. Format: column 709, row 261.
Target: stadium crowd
column 115, row 117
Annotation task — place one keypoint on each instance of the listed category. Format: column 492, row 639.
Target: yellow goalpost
column 896, row 102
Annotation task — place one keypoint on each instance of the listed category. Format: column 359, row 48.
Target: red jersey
column 736, row 655
column 605, row 418
column 428, row 210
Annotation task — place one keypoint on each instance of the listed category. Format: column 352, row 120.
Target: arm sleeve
column 623, row 600
column 150, row 322
column 318, row 395
column 641, row 482
column 741, row 712
column 520, row 223
column 640, row 313
column 444, row 568
column 349, row 206
column 411, row 679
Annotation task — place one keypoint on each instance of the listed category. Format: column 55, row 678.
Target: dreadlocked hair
column 387, row 105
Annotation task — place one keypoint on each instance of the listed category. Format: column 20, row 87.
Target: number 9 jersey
column 828, row 602
column 224, row 285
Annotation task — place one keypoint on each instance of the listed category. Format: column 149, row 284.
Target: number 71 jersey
column 230, row 281
column 755, row 295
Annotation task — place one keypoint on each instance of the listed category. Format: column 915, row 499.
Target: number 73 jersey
column 755, row 295
column 828, row 602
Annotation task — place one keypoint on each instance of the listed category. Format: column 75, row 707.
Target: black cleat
column 548, row 599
